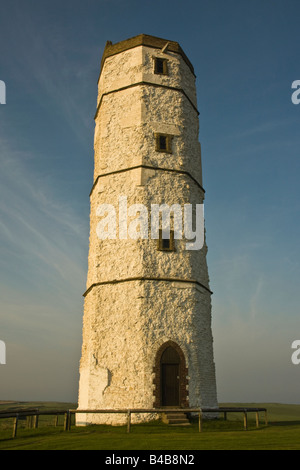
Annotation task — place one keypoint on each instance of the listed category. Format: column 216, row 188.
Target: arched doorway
column 170, row 376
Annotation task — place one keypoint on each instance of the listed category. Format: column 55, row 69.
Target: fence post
column 36, row 421
column 245, row 421
column 15, row 428
column 200, row 420
column 29, row 422
column 266, row 418
column 128, row 421
column 257, row 419
column 67, row 418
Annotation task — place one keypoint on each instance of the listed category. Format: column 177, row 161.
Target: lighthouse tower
column 147, row 339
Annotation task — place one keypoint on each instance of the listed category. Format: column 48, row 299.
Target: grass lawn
column 282, row 433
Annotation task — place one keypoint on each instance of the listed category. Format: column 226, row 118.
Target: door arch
column 170, row 376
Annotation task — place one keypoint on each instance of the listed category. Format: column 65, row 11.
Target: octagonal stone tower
column 147, row 339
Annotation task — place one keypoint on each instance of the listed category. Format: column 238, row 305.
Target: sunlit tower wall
column 147, row 338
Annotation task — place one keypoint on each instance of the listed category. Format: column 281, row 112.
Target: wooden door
column 170, row 371
column 170, row 384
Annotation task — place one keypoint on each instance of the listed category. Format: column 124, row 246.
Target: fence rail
column 199, row 411
column 32, row 415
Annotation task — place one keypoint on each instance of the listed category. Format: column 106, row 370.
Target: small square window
column 163, row 143
column 166, row 244
column 160, row 66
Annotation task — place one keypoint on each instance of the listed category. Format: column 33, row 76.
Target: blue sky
column 245, row 58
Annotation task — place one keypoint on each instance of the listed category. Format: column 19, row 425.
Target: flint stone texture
column 138, row 298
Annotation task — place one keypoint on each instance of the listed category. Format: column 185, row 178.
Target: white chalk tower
column 147, row 339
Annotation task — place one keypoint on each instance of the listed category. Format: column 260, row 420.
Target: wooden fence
column 199, row 411
column 32, row 415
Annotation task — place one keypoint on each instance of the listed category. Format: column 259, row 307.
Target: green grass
column 282, row 433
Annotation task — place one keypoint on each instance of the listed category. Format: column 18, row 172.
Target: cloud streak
column 36, row 224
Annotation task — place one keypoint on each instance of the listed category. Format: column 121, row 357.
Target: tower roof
column 143, row 40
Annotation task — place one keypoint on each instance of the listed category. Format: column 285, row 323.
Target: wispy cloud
column 41, row 236
column 263, row 128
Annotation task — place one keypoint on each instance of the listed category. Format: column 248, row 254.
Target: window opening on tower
column 166, row 244
column 160, row 66
column 163, row 143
